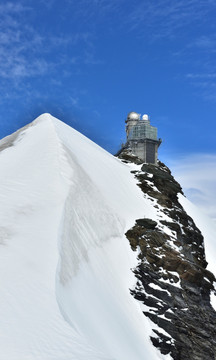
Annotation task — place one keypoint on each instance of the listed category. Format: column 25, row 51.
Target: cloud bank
column 197, row 175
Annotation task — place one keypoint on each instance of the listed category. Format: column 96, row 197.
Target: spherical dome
column 145, row 117
column 133, row 116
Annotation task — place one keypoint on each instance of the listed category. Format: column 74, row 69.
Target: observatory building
column 142, row 137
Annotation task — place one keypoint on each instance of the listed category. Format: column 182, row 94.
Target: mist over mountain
column 102, row 258
column 196, row 174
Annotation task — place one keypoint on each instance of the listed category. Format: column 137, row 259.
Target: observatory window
column 143, row 131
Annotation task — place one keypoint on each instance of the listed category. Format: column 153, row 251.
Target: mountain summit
column 99, row 259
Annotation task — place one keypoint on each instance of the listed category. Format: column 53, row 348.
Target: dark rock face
column 126, row 156
column 172, row 280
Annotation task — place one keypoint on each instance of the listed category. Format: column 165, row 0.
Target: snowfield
column 65, row 264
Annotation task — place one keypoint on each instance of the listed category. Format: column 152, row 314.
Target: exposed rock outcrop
column 172, row 281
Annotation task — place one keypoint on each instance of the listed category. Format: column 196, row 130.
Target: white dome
column 145, row 117
column 133, row 116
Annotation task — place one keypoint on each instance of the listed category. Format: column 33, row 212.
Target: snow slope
column 65, row 264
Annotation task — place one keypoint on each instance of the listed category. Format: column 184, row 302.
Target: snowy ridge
column 65, row 262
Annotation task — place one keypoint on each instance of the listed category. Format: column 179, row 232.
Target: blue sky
column 90, row 62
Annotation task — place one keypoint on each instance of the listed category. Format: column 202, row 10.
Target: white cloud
column 99, row 9
column 25, row 51
column 18, row 43
column 197, row 176
column 32, row 57
column 205, row 43
column 204, row 83
column 11, row 7
column 201, row 76
column 166, row 16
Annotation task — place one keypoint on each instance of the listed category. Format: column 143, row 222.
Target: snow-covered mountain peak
column 47, row 118
column 65, row 206
column 78, row 238
column 44, row 117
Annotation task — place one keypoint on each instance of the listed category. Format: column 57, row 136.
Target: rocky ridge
column 173, row 283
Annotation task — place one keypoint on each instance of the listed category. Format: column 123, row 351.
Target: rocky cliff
column 173, row 284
